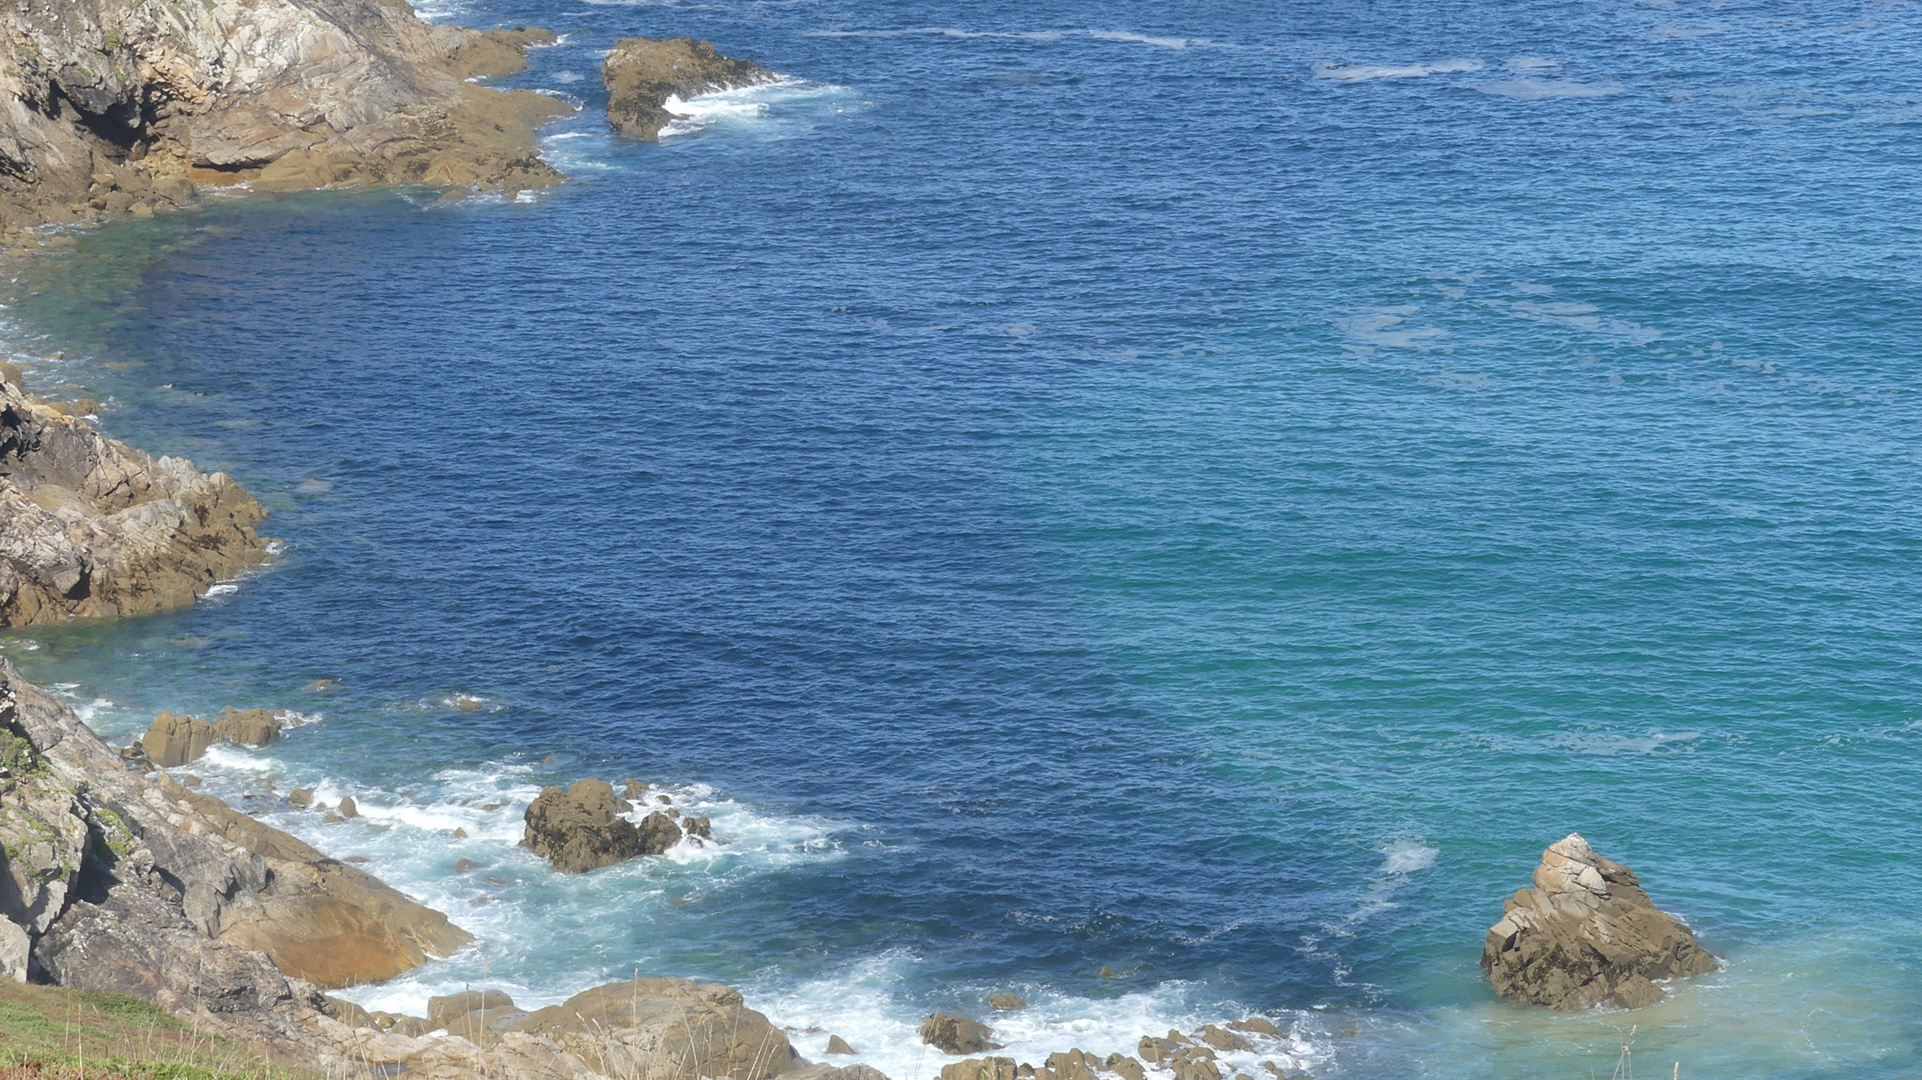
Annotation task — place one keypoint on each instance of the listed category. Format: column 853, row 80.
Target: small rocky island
column 1587, row 935
column 641, row 74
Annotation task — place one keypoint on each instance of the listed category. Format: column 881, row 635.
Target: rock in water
column 1008, row 1002
column 174, row 741
column 838, row 1045
column 957, row 1034
column 581, row 829
column 642, row 73
column 247, row 727
column 1587, row 935
column 92, row 527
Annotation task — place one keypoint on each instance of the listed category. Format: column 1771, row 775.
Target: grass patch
column 58, row 1034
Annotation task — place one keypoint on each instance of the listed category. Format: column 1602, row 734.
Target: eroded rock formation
column 1587, row 935
column 138, row 885
column 92, row 527
column 642, row 73
column 111, row 106
column 582, row 829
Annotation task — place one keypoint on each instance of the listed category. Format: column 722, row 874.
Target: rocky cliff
column 1587, row 935
column 90, row 526
column 110, row 106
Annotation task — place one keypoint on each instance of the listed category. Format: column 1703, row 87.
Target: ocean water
column 1164, row 510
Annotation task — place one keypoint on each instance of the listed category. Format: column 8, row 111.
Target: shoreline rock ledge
column 93, row 527
column 1587, row 935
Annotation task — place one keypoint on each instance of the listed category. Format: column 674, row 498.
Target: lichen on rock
column 1587, row 935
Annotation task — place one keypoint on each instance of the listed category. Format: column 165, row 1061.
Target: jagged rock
column 1587, row 935
column 494, row 52
column 149, row 882
column 1007, row 1002
column 173, row 740
column 642, row 73
column 300, row 797
column 581, row 829
column 836, row 1072
column 1126, row 1067
column 1071, row 1065
column 247, row 727
column 1256, row 1024
column 957, row 1034
column 92, row 527
column 663, row 1027
column 1223, row 1040
column 982, row 1068
column 838, row 1045
column 16, row 949
column 348, row 808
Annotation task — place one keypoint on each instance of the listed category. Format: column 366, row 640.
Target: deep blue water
column 1207, row 493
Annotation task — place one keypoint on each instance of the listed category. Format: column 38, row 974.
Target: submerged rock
column 957, row 1034
column 642, row 73
column 1007, row 1002
column 581, row 829
column 1587, row 935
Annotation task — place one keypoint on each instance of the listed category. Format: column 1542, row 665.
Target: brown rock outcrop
column 1587, row 935
column 642, row 73
column 90, row 526
column 957, row 1034
column 247, row 727
column 173, row 740
column 581, row 829
column 115, row 106
column 1007, row 1002
column 667, row 1028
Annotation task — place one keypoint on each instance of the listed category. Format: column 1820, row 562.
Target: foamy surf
column 862, row 1006
column 740, row 106
column 1368, row 72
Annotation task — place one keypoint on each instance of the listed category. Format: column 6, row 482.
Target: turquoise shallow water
column 1208, row 494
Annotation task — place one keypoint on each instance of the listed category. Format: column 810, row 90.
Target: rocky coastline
column 117, row 877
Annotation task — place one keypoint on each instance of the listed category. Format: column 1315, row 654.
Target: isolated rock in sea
column 581, row 829
column 174, row 741
column 1007, row 1002
column 93, row 527
column 666, row 1028
column 642, row 73
column 247, row 727
column 957, row 1034
column 107, row 106
column 1587, row 935
column 348, row 808
column 981, row 1068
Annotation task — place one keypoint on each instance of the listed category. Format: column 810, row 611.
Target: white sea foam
column 861, row 1005
column 1129, row 37
column 1529, row 63
column 1366, row 72
column 1407, row 856
column 739, row 106
column 1147, row 39
column 1545, row 89
column 1619, row 745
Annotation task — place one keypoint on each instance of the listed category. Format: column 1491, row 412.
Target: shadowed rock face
column 109, row 105
column 1587, row 935
column 92, row 527
column 642, row 73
